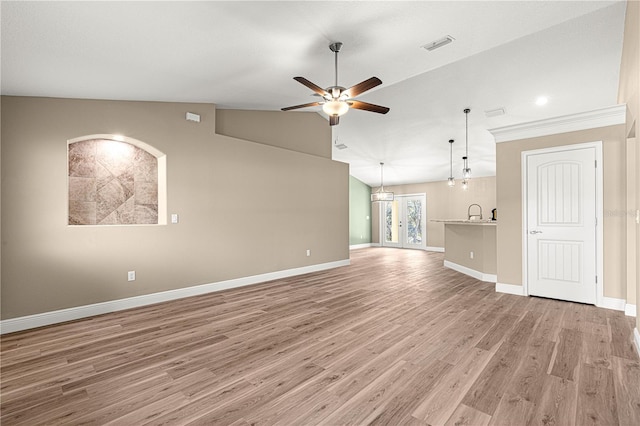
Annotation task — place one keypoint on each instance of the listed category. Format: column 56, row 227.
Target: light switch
column 174, row 218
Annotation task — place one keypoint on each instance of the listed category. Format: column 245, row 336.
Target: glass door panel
column 414, row 222
column 391, row 223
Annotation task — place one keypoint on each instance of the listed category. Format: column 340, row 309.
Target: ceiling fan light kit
column 335, row 107
column 336, row 99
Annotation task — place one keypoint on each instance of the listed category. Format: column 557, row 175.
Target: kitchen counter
column 470, row 247
column 467, row 221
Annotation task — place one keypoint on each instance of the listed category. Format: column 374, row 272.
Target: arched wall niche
column 115, row 180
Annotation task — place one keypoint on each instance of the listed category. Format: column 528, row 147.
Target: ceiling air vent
column 438, row 43
column 494, row 112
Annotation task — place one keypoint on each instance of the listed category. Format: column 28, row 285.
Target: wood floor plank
column 621, row 336
column 398, row 409
column 627, row 388
column 438, row 405
column 567, row 354
column 467, row 416
column 597, row 403
column 487, row 391
column 394, row 338
column 557, row 404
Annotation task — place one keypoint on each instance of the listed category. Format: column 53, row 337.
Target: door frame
column 599, row 213
column 381, row 221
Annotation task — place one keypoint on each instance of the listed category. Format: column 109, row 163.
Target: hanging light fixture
column 451, row 181
column 381, row 194
column 466, row 171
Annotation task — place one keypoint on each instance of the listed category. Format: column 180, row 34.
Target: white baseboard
column 518, row 290
column 630, row 310
column 438, row 249
column 611, row 303
column 359, row 246
column 471, row 272
column 47, row 318
column 636, row 339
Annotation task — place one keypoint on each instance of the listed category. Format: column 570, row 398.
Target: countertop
column 466, row 222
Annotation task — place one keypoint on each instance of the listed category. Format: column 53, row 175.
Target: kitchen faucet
column 474, row 217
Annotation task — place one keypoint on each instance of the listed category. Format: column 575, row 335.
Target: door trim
column 599, row 213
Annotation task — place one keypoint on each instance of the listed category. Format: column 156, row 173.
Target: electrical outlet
column 308, row 252
column 471, row 254
column 131, row 276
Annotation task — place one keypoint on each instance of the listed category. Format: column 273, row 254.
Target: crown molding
column 602, row 117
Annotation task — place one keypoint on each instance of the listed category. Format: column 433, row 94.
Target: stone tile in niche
column 82, row 213
column 123, row 215
column 145, row 167
column 82, row 189
column 127, row 182
column 109, row 198
column 82, row 158
column 146, row 214
column 115, row 156
column 146, row 193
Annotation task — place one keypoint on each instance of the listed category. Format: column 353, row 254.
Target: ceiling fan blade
column 362, row 87
column 319, row 90
column 301, row 106
column 333, row 120
column 368, row 107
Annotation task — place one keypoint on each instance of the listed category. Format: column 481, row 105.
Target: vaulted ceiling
column 244, row 55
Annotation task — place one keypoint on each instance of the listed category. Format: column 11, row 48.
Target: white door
column 561, row 224
column 404, row 222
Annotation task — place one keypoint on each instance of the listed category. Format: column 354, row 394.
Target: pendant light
column 451, row 181
column 466, row 171
column 381, row 194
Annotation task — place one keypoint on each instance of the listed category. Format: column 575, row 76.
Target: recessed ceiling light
column 542, row 100
column 438, row 43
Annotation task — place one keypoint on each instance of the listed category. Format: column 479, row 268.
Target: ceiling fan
column 336, row 99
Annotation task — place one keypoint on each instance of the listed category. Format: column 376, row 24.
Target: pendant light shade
column 381, row 194
column 466, row 170
column 451, row 181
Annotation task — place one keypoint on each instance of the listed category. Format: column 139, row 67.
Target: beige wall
column 629, row 93
column 444, row 202
column 245, row 208
column 289, row 130
column 479, row 239
column 509, row 196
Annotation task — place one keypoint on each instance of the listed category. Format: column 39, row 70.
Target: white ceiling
column 245, row 54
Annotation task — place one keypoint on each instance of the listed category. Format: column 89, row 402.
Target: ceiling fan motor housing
column 335, row 47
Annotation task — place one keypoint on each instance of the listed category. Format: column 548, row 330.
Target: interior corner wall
column 629, row 93
column 245, row 208
column 445, row 202
column 289, row 130
column 359, row 212
column 509, row 199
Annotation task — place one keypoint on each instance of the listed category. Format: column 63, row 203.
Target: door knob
column 535, row 232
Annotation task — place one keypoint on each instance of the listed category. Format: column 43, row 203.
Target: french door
column 561, row 224
column 404, row 222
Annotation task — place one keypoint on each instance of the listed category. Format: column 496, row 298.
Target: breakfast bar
column 470, row 247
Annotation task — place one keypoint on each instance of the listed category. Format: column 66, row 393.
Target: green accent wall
column 359, row 212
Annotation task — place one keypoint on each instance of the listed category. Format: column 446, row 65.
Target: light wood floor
column 393, row 339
